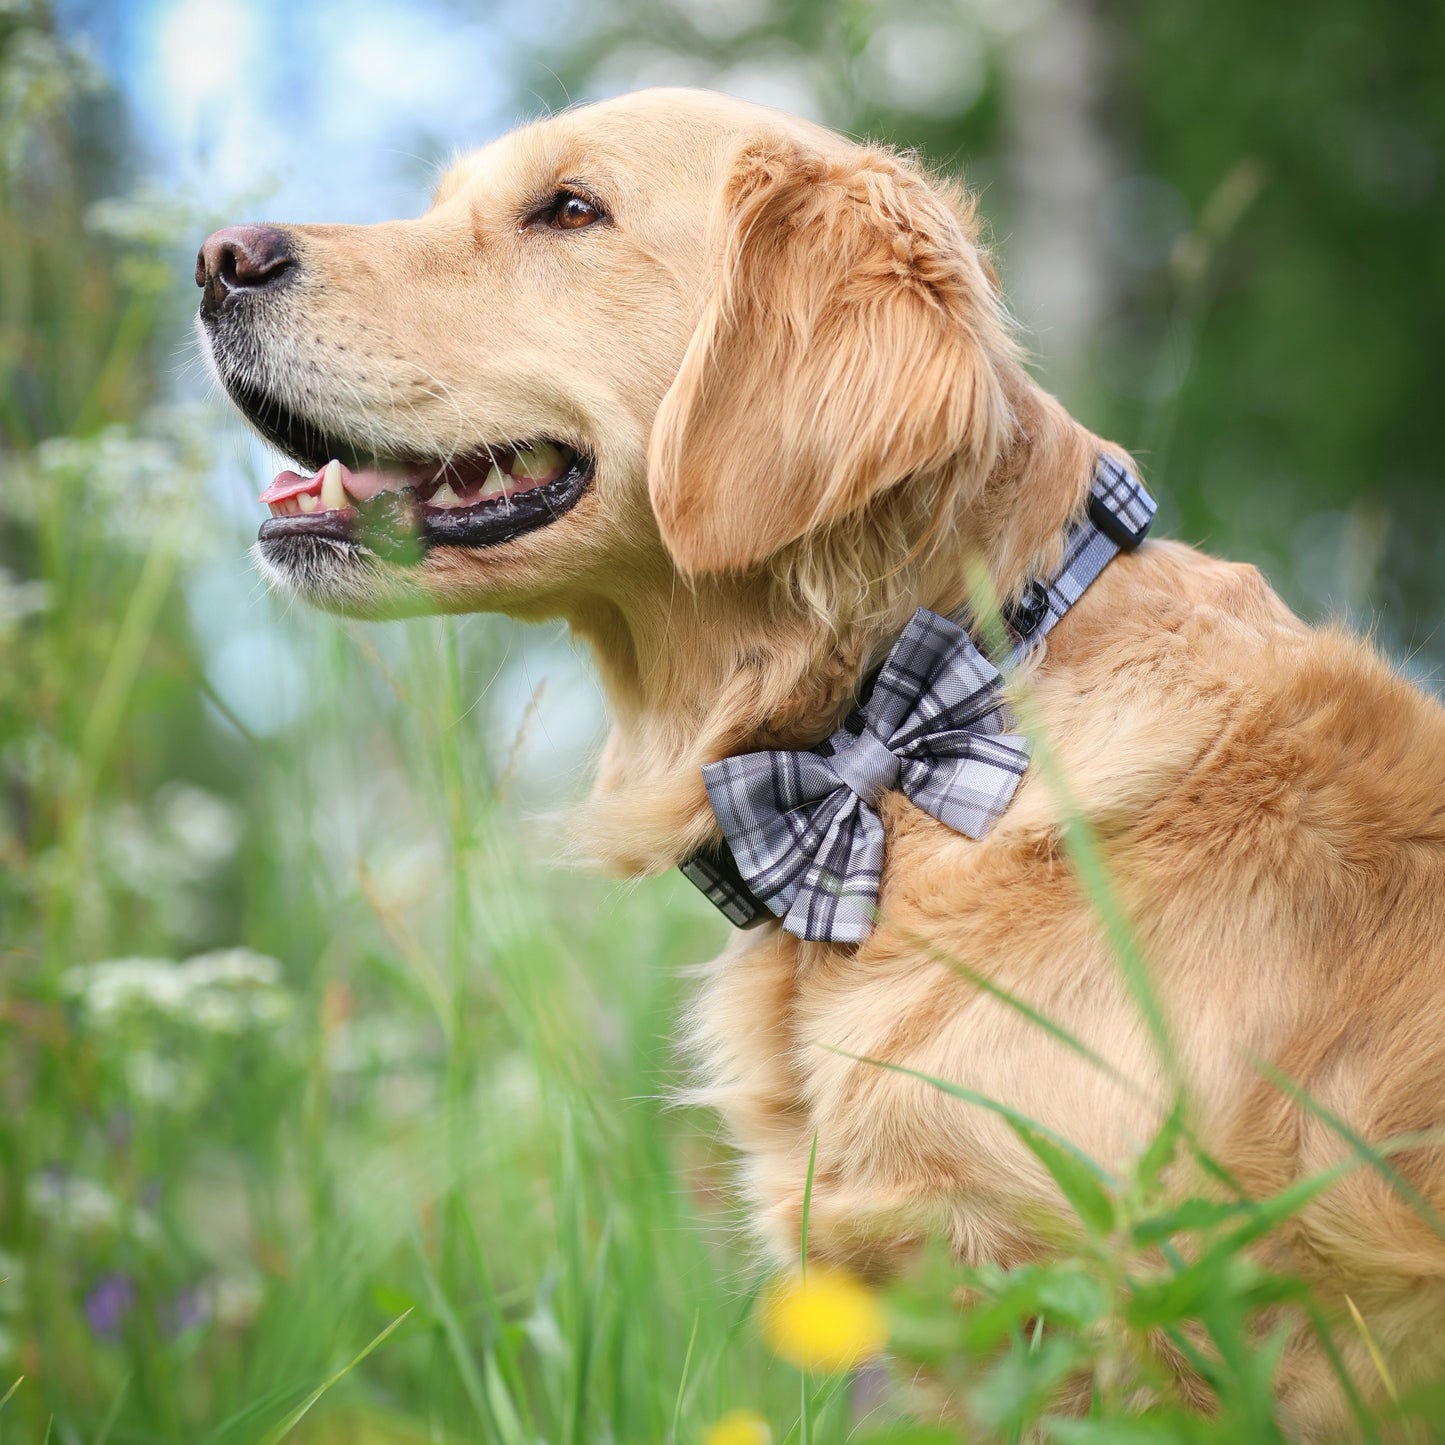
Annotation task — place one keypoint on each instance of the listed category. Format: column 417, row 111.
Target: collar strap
column 1117, row 518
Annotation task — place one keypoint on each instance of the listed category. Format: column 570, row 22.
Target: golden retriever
column 733, row 396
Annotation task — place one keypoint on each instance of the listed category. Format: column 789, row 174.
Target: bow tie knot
column 869, row 768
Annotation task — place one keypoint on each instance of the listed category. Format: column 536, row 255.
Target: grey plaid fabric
column 713, row 872
column 802, row 826
column 803, row 838
column 1119, row 515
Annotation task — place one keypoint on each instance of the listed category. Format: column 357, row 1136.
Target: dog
column 735, row 397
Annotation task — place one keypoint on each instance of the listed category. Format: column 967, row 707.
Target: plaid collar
column 801, row 837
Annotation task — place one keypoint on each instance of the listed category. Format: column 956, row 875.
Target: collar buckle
column 1119, row 506
column 1026, row 615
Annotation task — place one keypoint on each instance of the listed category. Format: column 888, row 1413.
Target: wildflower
column 109, row 990
column 236, row 1299
column 79, row 1205
column 189, row 1307
column 232, row 967
column 826, row 1321
column 108, row 1303
column 740, row 1427
column 20, row 599
column 202, row 828
column 83, row 1206
column 225, row 991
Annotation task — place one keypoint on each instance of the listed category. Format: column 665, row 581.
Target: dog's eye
column 571, row 212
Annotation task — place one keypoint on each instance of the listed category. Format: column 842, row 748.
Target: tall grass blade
column 1159, row 1153
column 1040, row 1020
column 1363, row 1417
column 1376, row 1357
column 672, row 1434
column 455, row 1335
column 1267, row 1214
column 1366, row 1152
column 807, row 1209
column 503, row 1349
column 510, row 1430
column 1077, row 1181
column 280, row 1431
column 1020, row 1122
column 1078, row 836
column 113, row 1414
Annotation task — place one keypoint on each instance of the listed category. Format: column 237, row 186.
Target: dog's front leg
column 752, row 1064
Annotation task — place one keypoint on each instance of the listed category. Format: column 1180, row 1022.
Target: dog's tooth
column 495, row 485
column 536, row 461
column 444, row 496
column 310, row 502
column 333, row 494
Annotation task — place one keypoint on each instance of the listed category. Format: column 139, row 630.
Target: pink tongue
column 289, row 484
column 359, row 485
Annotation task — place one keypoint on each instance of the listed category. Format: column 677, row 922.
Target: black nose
column 241, row 260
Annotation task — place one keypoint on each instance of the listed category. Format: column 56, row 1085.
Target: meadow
column 335, row 1105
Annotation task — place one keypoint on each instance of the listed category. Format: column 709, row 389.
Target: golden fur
column 788, row 354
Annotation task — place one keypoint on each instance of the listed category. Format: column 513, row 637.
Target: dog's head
column 668, row 333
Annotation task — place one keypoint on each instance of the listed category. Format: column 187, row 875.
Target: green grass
column 373, row 1144
column 451, row 1105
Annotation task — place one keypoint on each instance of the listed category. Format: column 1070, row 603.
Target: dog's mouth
column 398, row 506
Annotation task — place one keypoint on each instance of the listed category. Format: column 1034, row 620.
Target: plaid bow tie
column 803, row 826
column 803, row 839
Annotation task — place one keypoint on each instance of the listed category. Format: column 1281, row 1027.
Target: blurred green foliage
column 1320, row 333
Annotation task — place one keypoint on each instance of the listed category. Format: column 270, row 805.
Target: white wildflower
column 219, row 1012
column 83, row 1206
column 182, row 838
column 79, row 1206
column 151, row 216
column 107, row 991
column 132, row 851
column 142, row 484
column 403, row 873
column 236, row 1298
column 20, row 599
column 405, row 1095
column 206, row 828
column 232, row 968
column 225, row 991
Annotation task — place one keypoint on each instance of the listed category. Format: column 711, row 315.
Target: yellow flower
column 826, row 1322
column 740, row 1427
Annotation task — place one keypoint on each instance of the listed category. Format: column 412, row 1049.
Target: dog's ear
column 853, row 340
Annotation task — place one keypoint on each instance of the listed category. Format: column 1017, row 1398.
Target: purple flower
column 188, row 1307
column 110, row 1299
